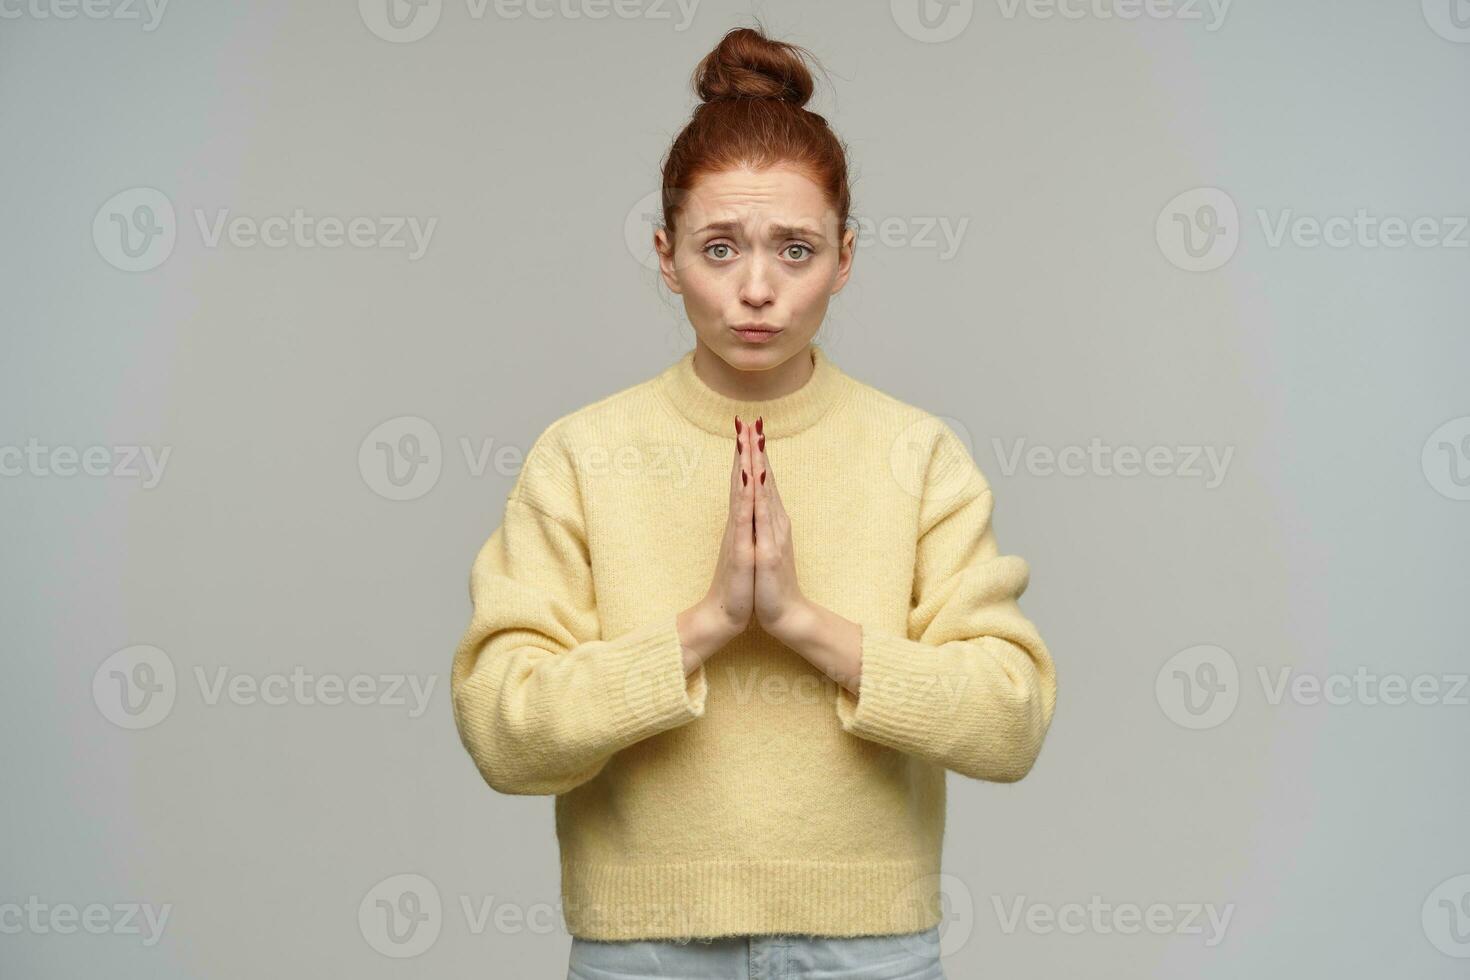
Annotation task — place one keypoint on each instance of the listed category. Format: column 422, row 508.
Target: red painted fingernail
column 762, row 444
column 742, row 478
column 763, row 476
column 737, row 425
column 759, row 424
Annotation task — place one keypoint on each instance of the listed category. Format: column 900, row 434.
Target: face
column 757, row 249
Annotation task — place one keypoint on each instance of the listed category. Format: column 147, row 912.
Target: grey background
column 1332, row 834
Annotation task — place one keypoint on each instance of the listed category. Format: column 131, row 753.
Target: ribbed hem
column 709, row 899
column 686, row 392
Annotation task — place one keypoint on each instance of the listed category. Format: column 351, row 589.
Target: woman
column 741, row 618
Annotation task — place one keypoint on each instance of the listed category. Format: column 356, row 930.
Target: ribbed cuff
column 641, row 687
column 896, row 697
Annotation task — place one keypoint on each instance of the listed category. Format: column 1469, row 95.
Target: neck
column 752, row 386
column 791, row 396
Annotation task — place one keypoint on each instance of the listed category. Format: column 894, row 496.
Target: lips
column 755, row 334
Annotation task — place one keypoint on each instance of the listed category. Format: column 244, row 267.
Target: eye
column 709, row 249
column 805, row 248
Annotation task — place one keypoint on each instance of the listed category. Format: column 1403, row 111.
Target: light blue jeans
column 909, row 956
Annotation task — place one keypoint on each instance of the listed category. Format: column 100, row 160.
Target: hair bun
column 748, row 65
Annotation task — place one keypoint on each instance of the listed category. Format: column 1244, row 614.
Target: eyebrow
column 777, row 230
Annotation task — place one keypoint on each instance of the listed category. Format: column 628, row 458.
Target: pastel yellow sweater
column 755, row 795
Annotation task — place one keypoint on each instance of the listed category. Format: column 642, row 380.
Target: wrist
column 797, row 625
column 703, row 630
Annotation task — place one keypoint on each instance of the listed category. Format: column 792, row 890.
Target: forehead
column 753, row 199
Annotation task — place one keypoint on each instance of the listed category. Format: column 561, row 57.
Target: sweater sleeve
column 972, row 686
column 541, row 701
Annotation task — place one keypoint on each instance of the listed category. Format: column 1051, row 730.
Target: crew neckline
column 787, row 415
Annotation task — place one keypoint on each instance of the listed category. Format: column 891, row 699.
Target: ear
column 844, row 260
column 663, row 246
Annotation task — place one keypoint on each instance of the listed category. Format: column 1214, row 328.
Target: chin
column 755, row 358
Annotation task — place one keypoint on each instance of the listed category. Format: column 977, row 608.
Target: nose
column 756, row 289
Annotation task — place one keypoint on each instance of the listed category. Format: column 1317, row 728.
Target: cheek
column 702, row 289
column 810, row 293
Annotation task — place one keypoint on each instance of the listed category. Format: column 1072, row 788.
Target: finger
column 737, row 462
column 762, row 484
column 740, row 505
column 745, row 458
column 764, row 476
column 737, row 459
column 748, row 484
column 739, row 536
column 771, row 488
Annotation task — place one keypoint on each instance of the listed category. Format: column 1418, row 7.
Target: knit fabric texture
column 755, row 795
